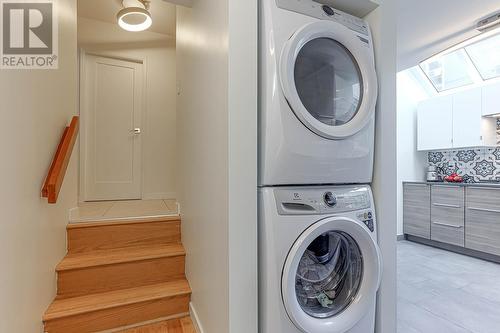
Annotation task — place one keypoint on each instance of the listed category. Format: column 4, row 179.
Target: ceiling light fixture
column 135, row 15
column 489, row 23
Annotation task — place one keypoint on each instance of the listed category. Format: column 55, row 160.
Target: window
column 448, row 71
column 471, row 62
column 486, row 57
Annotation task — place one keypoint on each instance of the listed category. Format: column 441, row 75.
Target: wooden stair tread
column 67, row 307
column 119, row 255
column 121, row 221
column 179, row 325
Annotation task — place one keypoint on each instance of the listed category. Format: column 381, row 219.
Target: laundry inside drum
column 329, row 274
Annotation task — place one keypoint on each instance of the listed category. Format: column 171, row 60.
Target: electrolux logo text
column 29, row 35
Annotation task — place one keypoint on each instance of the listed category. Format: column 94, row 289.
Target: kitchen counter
column 454, row 216
column 492, row 184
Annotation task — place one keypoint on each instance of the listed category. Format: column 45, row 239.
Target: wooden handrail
column 57, row 170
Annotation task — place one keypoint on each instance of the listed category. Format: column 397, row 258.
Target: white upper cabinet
column 456, row 121
column 467, row 119
column 435, row 126
column 491, row 99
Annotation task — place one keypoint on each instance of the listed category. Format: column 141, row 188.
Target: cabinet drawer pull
column 485, row 210
column 445, row 205
column 447, row 225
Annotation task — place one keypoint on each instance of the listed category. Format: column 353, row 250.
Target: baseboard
column 401, row 237
column 454, row 248
column 159, row 195
column 196, row 320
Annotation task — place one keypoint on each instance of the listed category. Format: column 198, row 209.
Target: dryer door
column 331, row 276
column 329, row 80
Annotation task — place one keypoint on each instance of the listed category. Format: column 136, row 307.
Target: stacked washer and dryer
column 319, row 263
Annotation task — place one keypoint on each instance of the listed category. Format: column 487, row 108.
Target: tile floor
column 445, row 292
column 104, row 210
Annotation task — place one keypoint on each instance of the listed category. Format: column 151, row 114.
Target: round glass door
column 328, row 81
column 329, row 275
column 328, row 78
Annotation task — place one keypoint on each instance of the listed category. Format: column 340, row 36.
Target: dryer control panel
column 325, row 12
column 322, row 200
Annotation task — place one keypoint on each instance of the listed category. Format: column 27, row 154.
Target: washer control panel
column 324, row 12
column 322, row 200
column 367, row 218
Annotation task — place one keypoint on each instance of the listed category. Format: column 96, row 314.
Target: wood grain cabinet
column 416, row 210
column 465, row 219
column 447, row 214
column 482, row 219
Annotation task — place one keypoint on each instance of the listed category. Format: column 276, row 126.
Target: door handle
column 485, row 210
column 136, row 131
column 445, row 205
column 447, row 225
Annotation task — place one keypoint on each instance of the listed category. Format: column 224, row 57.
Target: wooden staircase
column 119, row 273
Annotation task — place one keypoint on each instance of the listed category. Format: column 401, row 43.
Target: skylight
column 486, row 56
column 471, row 62
column 448, row 71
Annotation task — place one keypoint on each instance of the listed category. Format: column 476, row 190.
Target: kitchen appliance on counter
column 432, row 174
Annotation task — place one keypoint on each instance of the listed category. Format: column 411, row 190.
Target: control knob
column 330, row 199
column 328, row 10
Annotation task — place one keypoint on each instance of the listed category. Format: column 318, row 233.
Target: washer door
column 329, row 80
column 331, row 276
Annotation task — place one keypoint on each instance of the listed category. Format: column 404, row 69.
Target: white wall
column 159, row 151
column 202, row 129
column 243, row 277
column 35, row 107
column 217, row 129
column 411, row 163
column 383, row 24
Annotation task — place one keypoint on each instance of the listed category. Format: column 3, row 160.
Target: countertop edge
column 492, row 185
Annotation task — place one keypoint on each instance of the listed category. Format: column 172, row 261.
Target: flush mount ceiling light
column 489, row 23
column 135, row 15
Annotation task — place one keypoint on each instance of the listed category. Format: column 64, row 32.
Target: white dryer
column 318, row 90
column 319, row 262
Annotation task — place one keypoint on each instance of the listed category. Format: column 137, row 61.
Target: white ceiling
column 185, row 3
column 105, row 11
column 94, row 33
column 426, row 27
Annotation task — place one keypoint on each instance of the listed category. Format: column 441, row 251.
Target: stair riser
column 123, row 235
column 120, row 316
column 98, row 279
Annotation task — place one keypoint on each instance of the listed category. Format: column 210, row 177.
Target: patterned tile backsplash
column 474, row 165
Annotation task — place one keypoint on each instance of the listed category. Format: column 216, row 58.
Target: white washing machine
column 319, row 263
column 318, row 90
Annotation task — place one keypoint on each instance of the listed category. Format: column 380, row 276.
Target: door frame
column 82, row 56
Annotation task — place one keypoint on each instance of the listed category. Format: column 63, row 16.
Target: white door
column 491, row 99
column 111, row 113
column 435, row 123
column 467, row 119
